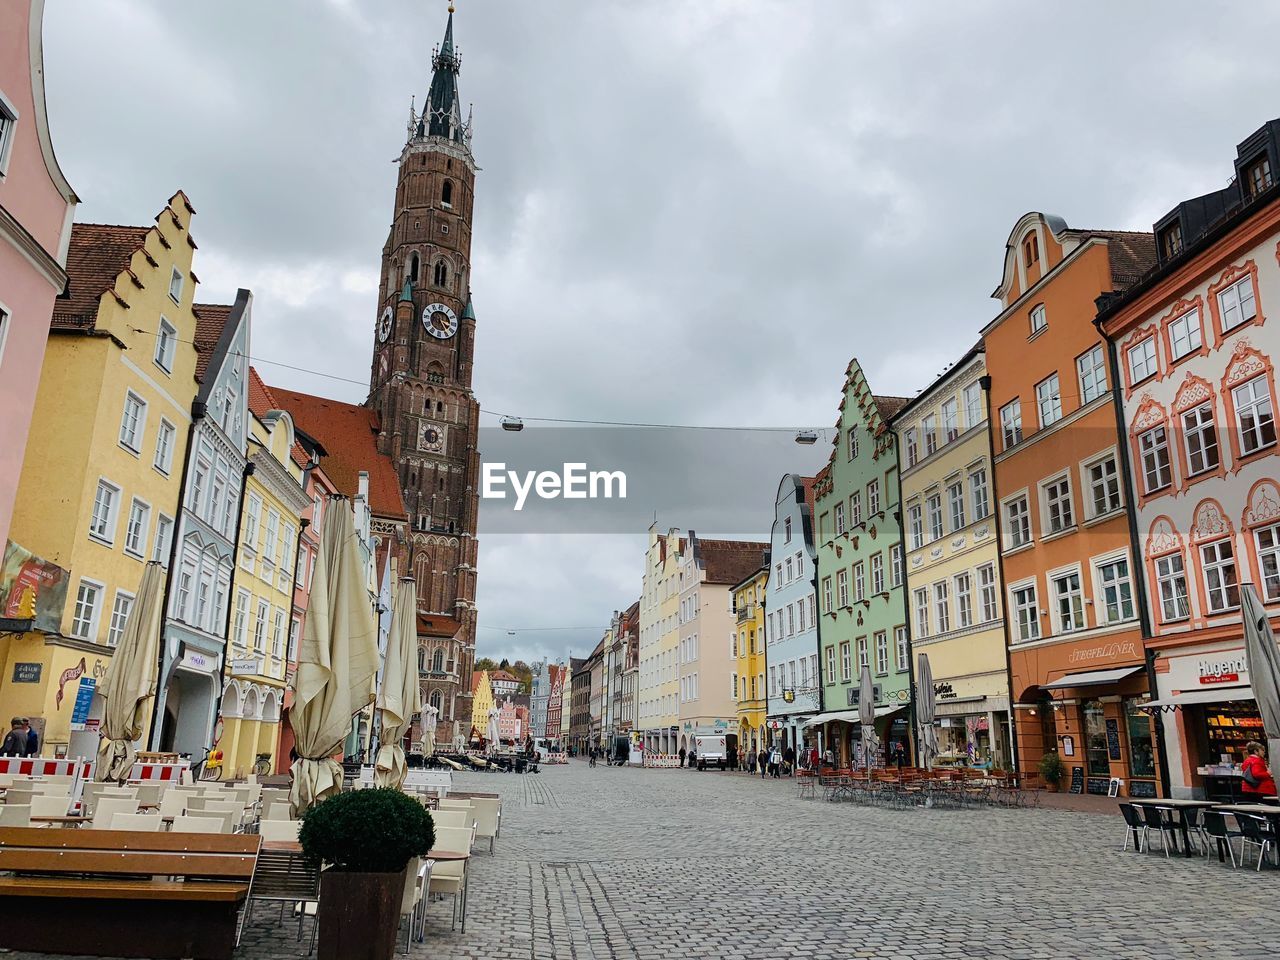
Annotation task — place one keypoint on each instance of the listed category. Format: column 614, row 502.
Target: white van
column 711, row 750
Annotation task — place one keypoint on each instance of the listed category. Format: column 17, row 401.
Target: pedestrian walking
column 693, row 758
column 731, row 757
column 789, row 759
column 33, row 739
column 1255, row 778
column 15, row 741
column 681, row 755
column 764, row 762
column 751, row 761
column 775, row 763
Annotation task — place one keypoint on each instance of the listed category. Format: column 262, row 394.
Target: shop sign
column 1221, row 670
column 84, row 700
column 27, row 672
column 246, row 666
column 198, row 661
column 944, row 691
column 1116, row 650
column 788, row 695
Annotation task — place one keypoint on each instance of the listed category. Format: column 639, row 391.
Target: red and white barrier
column 150, row 772
column 42, row 767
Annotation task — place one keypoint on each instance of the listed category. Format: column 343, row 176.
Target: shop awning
column 1190, row 697
column 848, row 716
column 1090, row 678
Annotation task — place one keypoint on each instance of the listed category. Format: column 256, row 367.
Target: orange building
column 1077, row 666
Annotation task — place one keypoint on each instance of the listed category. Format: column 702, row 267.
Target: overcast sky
column 691, row 211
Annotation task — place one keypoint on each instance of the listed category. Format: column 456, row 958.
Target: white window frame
column 842, row 587
column 166, row 346
column 117, row 624
column 950, row 420
column 1053, row 578
column 139, row 547
column 163, row 541
column 979, row 493
column 1168, row 577
column 1159, row 442
column 1022, row 500
column 920, row 605
column 1217, row 565
column 929, row 428
column 915, row 525
column 133, row 428
column 95, row 610
column 1252, row 440
column 1090, row 486
column 989, row 592
column 1057, row 496
column 963, row 583
column 895, row 565
column 1186, row 334
column 1091, row 371
column 107, row 536
column 1011, row 423
column 956, row 504
column 9, row 118
column 880, row 640
column 175, row 277
column 1268, row 560
column 1232, row 301
column 846, row 662
column 1200, row 436
column 873, row 498
column 1142, row 361
column 1038, row 318
column 936, row 528
column 942, row 605
column 859, row 581
column 1049, row 400
column 1101, row 615
column 166, row 437
column 902, row 648
column 877, row 573
column 973, row 405
column 1019, row 608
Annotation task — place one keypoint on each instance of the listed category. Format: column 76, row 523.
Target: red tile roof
column 211, row 318
column 99, row 252
column 433, row 625
column 261, row 399
column 349, row 434
column 807, row 483
column 888, row 406
column 730, row 561
column 1131, row 253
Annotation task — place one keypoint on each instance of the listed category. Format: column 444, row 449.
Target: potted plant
column 365, row 839
column 1051, row 769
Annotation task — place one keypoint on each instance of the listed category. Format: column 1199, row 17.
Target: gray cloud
column 690, row 210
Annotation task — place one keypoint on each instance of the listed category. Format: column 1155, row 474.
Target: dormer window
column 175, row 286
column 446, row 193
column 1031, row 250
column 1257, row 175
column 1171, row 240
column 1039, row 320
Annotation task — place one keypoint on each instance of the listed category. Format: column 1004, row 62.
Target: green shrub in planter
column 367, row 831
column 1051, row 768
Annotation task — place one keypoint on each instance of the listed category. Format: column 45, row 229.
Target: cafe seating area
column 907, row 788
column 1244, row 834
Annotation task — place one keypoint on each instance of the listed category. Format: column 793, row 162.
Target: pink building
column 36, row 207
column 510, row 728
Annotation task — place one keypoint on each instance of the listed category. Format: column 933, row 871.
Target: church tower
column 420, row 385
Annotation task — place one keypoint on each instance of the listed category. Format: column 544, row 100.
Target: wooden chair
column 185, row 905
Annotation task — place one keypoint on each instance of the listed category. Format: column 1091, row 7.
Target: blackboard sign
column 1099, row 785
column 1077, row 779
column 27, row 672
column 1113, row 739
column 1142, row 788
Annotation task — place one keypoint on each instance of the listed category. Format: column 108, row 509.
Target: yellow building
column 749, row 665
column 100, row 484
column 263, row 588
column 953, row 560
column 481, row 702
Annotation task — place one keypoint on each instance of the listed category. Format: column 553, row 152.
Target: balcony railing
column 746, row 611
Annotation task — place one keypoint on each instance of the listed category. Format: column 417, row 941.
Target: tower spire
column 442, row 114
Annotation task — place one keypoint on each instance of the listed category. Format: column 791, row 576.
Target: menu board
column 1077, row 779
column 1142, row 788
column 1113, row 739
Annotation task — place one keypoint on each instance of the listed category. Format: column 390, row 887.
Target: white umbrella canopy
column 1263, row 659
column 867, row 714
column 400, row 697
column 926, row 707
column 337, row 661
column 427, row 727
column 131, row 679
column 491, row 730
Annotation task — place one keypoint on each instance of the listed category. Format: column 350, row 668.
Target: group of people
column 21, row 740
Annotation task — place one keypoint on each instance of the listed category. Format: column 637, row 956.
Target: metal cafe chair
column 1255, row 831
column 1214, row 826
column 1159, row 819
column 1135, row 829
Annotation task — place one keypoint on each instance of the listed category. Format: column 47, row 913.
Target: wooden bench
column 123, row 893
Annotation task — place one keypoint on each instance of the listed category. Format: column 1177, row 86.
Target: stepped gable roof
column 730, row 561
column 349, row 434
column 97, row 255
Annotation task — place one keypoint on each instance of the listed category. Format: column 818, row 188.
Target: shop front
column 1206, row 704
column 53, row 682
column 1086, row 703
column 972, row 722
column 841, row 732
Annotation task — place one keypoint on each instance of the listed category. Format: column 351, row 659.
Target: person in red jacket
column 1256, row 778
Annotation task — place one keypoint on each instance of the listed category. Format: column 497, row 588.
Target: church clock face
column 385, row 323
column 431, row 438
column 439, row 321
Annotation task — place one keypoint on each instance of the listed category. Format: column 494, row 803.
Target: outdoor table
column 65, row 820
column 1180, row 807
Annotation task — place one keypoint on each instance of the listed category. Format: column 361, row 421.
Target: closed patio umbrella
column 430, row 716
column 926, row 706
column 1263, row 659
column 337, row 661
column 867, row 714
column 491, row 731
column 131, row 679
column 400, row 697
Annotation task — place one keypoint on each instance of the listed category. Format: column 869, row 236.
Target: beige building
column 707, row 630
column 658, row 710
column 953, row 561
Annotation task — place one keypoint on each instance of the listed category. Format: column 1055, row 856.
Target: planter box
column 359, row 914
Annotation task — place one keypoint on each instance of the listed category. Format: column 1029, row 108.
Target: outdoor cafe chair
column 279, row 829
column 416, row 880
column 1135, row 829
column 277, row 811
column 173, row 804
column 49, row 806
column 231, row 811
column 450, row 876
column 1159, row 819
column 450, row 818
column 107, row 807
column 150, row 794
column 487, row 819
column 1256, row 832
column 150, row 822
column 456, row 803
column 1214, row 826
column 15, row 815
column 287, row 879
column 183, row 824
column 20, row 795
column 52, row 788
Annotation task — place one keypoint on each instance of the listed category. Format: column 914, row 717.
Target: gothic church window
column 441, row 274
column 437, row 661
column 446, row 193
column 413, row 268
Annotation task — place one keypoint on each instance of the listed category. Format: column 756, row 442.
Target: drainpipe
column 199, row 409
column 248, row 472
column 1140, row 582
column 985, row 382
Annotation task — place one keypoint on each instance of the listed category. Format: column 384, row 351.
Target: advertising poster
column 21, row 571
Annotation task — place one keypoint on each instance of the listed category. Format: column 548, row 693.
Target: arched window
column 446, row 193
column 435, row 699
column 441, row 274
column 437, row 661
column 422, row 660
column 413, row 268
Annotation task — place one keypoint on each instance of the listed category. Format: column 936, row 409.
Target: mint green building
column 861, row 617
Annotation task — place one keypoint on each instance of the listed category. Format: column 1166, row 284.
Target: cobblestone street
column 666, row 864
